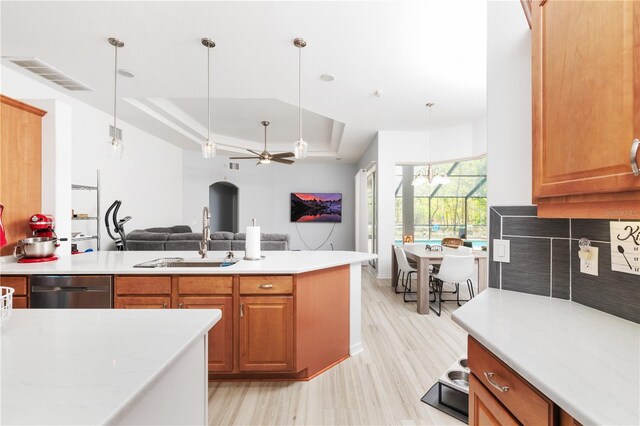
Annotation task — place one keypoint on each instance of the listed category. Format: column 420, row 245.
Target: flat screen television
column 316, row 207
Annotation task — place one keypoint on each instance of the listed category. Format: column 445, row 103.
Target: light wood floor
column 404, row 354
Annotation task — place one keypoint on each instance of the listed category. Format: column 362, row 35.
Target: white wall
column 264, row 194
column 148, row 179
column 454, row 143
column 508, row 105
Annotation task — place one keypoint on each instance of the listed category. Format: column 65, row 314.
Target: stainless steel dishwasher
column 72, row 291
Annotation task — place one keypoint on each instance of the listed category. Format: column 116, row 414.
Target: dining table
column 424, row 257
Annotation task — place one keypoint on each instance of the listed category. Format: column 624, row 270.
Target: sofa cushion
column 222, row 245
column 222, row 235
column 181, row 229
column 274, row 246
column 182, row 245
column 186, row 236
column 135, row 245
column 274, row 237
column 237, row 245
column 159, row 229
column 144, row 235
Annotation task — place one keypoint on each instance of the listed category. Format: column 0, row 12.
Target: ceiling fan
column 265, row 157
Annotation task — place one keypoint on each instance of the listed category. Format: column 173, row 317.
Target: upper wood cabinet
column 586, row 108
column 20, row 167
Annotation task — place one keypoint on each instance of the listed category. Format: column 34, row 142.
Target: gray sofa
column 181, row 238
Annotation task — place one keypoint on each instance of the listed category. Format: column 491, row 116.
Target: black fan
column 265, row 157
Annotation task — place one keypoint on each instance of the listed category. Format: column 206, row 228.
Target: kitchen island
column 289, row 316
column 104, row 366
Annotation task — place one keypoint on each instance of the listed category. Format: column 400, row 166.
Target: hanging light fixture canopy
column 208, row 147
column 301, row 147
column 431, row 174
column 117, row 146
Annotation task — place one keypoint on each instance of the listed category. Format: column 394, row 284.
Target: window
column 432, row 212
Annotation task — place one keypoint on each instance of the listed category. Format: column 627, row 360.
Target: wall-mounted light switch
column 501, row 251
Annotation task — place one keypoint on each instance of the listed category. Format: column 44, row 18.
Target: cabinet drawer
column 485, row 409
column 205, row 285
column 144, row 302
column 267, row 284
column 19, row 284
column 143, row 284
column 525, row 402
column 20, row 302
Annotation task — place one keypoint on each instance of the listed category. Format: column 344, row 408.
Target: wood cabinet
column 500, row 396
column 485, row 409
column 221, row 335
column 142, row 302
column 586, row 108
column 278, row 327
column 266, row 333
column 21, row 293
column 212, row 292
column 20, row 167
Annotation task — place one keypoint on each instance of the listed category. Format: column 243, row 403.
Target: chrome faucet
column 206, row 232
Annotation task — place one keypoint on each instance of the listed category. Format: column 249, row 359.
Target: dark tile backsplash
column 544, row 261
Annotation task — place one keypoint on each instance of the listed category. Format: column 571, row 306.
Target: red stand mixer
column 42, row 246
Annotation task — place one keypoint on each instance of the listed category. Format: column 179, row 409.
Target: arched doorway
column 223, row 203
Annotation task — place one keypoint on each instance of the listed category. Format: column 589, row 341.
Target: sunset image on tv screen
column 316, row 207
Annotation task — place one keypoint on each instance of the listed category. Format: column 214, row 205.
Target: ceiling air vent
column 48, row 72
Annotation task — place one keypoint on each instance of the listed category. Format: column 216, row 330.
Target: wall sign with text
column 625, row 247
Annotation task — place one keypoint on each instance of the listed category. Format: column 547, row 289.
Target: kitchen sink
column 178, row 262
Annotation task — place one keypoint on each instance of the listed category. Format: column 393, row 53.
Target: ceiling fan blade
column 243, row 158
column 281, row 160
column 254, row 152
column 284, row 155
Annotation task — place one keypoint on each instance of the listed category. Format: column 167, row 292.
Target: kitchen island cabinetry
column 301, row 312
column 586, row 108
column 20, row 296
column 266, row 333
column 212, row 292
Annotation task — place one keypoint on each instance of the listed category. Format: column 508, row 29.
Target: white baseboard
column 356, row 348
column 384, row 276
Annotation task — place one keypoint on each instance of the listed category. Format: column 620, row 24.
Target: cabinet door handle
column 495, row 384
column 241, row 310
column 164, row 306
column 180, row 305
column 266, row 286
column 633, row 157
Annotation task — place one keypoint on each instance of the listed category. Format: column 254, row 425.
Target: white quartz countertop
column 84, row 366
column 584, row 360
column 115, row 262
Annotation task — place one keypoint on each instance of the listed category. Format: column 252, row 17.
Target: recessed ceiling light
column 327, row 77
column 126, row 73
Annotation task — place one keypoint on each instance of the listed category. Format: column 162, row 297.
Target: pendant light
column 300, row 147
column 208, row 147
column 431, row 175
column 117, row 146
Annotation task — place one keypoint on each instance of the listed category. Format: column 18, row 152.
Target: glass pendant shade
column 300, row 149
column 208, row 149
column 419, row 179
column 117, row 148
column 264, row 161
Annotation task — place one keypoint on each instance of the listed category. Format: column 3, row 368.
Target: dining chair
column 405, row 269
column 455, row 269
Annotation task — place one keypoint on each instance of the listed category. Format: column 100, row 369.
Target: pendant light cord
column 430, row 132
column 299, row 93
column 208, row 94
column 115, row 90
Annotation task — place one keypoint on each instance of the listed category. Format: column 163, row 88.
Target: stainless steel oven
column 72, row 291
